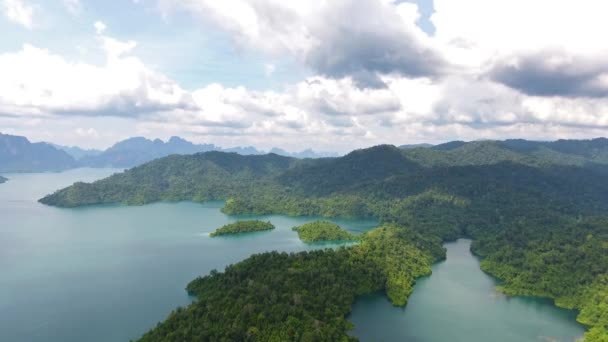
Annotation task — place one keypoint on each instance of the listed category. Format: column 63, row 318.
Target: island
column 2, row 179
column 302, row 296
column 536, row 212
column 323, row 231
column 243, row 227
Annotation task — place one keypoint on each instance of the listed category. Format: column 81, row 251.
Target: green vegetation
column 323, row 231
column 242, row 227
column 300, row 297
column 536, row 211
column 199, row 177
column 562, row 258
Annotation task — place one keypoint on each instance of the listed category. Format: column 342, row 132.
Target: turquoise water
column 459, row 303
column 109, row 273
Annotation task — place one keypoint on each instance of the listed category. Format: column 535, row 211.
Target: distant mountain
column 139, row 150
column 263, row 183
column 324, row 176
column 244, row 151
column 534, row 153
column 533, row 209
column 77, row 152
column 307, row 153
column 18, row 154
column 410, row 146
column 198, row 177
column 135, row 151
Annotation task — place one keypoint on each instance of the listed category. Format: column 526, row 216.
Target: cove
column 110, row 273
column 459, row 302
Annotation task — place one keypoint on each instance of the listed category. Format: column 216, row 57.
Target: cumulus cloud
column 541, row 48
column 378, row 38
column 37, row 82
column 361, row 39
column 20, row 12
column 552, row 73
column 100, row 27
column 493, row 69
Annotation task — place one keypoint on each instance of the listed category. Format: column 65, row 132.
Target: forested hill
column 536, row 212
column 197, row 177
column 360, row 179
column 561, row 152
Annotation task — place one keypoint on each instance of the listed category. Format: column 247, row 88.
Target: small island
column 243, row 227
column 2, row 179
column 323, row 231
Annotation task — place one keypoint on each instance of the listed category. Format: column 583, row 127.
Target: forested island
column 323, row 231
column 536, row 213
column 242, row 227
column 300, row 296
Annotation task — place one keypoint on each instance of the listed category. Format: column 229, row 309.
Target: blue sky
column 332, row 75
column 192, row 53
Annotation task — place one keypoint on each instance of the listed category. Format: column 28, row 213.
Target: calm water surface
column 109, row 273
column 459, row 303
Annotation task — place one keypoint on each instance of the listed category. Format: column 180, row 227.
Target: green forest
column 536, row 213
column 242, row 227
column 300, row 296
column 323, row 231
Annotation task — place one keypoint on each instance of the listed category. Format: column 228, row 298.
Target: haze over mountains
column 379, row 169
column 18, row 154
column 535, row 211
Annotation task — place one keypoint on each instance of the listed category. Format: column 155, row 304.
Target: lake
column 459, row 303
column 110, row 273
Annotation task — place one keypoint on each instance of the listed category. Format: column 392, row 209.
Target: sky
column 332, row 75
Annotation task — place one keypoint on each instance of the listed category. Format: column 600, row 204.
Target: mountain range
column 383, row 169
column 18, row 154
column 535, row 212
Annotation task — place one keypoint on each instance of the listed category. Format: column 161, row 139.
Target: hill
column 536, row 211
column 197, row 177
column 77, row 152
column 136, row 151
column 18, row 154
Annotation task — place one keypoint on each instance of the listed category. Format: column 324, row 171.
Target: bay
column 459, row 302
column 110, row 273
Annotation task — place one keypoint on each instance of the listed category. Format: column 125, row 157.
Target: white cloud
column 37, row 82
column 90, row 133
column 100, row 27
column 269, row 69
column 20, row 12
column 376, row 37
column 379, row 78
column 73, row 6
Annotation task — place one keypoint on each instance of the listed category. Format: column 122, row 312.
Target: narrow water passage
column 109, row 273
column 459, row 303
